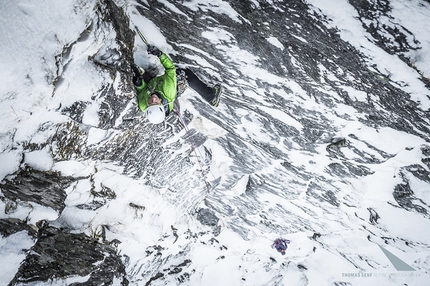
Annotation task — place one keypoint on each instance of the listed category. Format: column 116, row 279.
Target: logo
column 399, row 264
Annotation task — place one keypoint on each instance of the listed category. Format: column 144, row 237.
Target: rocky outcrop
column 40, row 187
column 58, row 254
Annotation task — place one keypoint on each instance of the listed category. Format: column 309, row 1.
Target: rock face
column 58, row 254
column 11, row 226
column 288, row 144
column 43, row 188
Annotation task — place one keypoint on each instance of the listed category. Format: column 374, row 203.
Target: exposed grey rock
column 404, row 196
column 319, row 192
column 374, row 216
column 419, row 172
column 207, row 217
column 43, row 188
column 11, row 225
column 58, row 254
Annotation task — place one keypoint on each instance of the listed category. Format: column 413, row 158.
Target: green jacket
column 164, row 84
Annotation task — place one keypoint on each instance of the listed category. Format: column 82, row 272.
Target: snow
column 274, row 41
column 39, row 160
column 217, row 6
column 413, row 20
column 29, row 107
column 208, row 127
column 13, row 252
column 96, row 135
column 91, row 116
column 73, row 168
column 386, row 139
column 12, row 159
column 357, row 94
column 345, row 18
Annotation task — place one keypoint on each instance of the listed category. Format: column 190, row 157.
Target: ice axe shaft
column 141, row 36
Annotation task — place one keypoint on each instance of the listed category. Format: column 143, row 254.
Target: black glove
column 153, row 50
column 137, row 75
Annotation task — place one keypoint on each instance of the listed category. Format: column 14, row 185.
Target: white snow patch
column 39, row 160
column 38, row 212
column 299, row 38
column 386, row 139
column 96, row 135
column 10, row 162
column 13, row 251
column 355, row 94
column 282, row 116
column 412, row 15
column 274, row 41
column 174, row 8
column 218, row 36
column 206, row 126
column 73, row 168
column 91, row 116
column 222, row 162
column 152, row 34
column 217, row 6
column 240, row 186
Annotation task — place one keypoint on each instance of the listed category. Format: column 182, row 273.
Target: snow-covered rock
column 322, row 136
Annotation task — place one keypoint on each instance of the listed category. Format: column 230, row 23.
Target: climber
column 281, row 245
column 156, row 94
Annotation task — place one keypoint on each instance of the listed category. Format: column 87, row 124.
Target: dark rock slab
column 43, row 188
column 404, row 196
column 207, row 217
column 58, row 254
column 11, row 226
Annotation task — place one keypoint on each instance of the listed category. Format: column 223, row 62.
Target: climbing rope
column 199, row 156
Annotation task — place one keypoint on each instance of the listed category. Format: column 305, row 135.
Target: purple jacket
column 281, row 245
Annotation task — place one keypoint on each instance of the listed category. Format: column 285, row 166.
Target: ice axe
column 141, row 36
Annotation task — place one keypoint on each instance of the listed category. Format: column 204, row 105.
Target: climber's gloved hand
column 137, row 74
column 153, row 50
